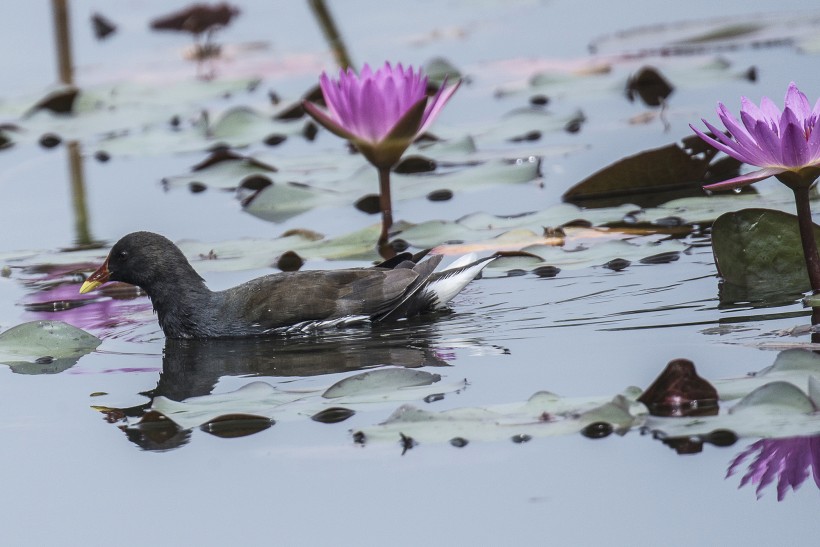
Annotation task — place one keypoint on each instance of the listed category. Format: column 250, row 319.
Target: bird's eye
column 124, row 255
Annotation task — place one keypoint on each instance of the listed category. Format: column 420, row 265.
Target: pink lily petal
column 326, row 121
column 331, row 93
column 437, row 104
column 797, row 102
column 731, row 122
column 746, row 143
column 721, row 141
column 380, row 111
column 770, row 111
column 814, row 141
column 372, row 115
column 745, row 180
column 392, row 102
column 793, row 140
column 815, row 112
column 767, row 155
column 748, row 109
column 769, row 140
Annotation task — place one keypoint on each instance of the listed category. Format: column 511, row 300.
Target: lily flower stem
column 386, row 206
column 801, row 198
column 815, row 320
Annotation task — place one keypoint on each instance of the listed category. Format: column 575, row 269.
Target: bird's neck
column 182, row 308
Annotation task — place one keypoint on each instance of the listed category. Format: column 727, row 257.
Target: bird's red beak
column 96, row 279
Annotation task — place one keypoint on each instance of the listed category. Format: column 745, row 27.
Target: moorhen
column 287, row 302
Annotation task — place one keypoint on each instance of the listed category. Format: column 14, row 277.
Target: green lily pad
column 257, row 399
column 759, row 251
column 262, row 400
column 543, row 414
column 281, row 201
column 796, row 366
column 44, row 347
column 775, row 397
column 669, row 171
column 699, row 36
column 380, row 381
column 774, row 410
column 439, row 68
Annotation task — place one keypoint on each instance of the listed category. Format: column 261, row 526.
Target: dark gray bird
column 287, row 302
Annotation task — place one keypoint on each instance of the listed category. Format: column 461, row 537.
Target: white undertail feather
column 445, row 285
column 461, row 261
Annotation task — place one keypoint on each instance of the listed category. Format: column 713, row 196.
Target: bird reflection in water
column 192, row 368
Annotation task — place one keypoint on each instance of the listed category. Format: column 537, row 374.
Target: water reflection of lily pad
column 44, row 347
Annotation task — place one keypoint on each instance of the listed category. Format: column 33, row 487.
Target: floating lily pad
column 795, row 366
column 279, row 202
column 697, row 37
column 231, row 426
column 259, row 401
column 544, row 414
column 380, row 381
column 650, row 86
column 759, row 251
column 439, row 68
column 776, row 409
column 256, row 399
column 44, row 347
column 682, row 170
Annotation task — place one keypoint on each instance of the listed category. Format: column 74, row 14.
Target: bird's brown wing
column 291, row 298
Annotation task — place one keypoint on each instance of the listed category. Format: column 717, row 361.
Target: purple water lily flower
column 787, row 460
column 381, row 113
column 779, row 142
column 787, row 146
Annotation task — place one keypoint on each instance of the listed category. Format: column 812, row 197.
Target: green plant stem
column 331, row 32
column 82, row 232
column 62, row 38
column 801, row 198
column 386, row 206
